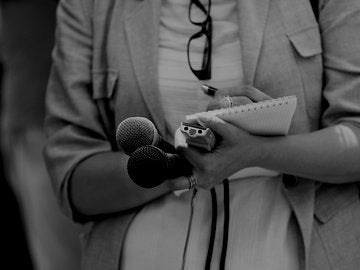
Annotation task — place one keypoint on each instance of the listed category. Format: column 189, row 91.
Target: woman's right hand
column 241, row 96
column 248, row 94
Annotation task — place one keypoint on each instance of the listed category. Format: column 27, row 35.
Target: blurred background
column 37, row 234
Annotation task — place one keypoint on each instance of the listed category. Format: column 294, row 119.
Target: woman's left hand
column 237, row 149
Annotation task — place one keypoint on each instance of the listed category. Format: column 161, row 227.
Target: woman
column 133, row 56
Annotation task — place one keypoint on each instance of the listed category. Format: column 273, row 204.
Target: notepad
column 268, row 118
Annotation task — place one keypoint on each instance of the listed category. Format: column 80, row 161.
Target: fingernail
column 203, row 119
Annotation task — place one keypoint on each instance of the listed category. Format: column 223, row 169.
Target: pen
column 208, row 90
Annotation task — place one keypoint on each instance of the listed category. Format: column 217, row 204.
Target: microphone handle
column 149, row 166
column 165, row 146
column 177, row 166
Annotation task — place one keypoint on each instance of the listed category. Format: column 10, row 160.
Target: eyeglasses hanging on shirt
column 199, row 15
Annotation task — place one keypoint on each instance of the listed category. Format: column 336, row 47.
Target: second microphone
column 152, row 160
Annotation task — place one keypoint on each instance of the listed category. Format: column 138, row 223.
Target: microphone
column 135, row 132
column 149, row 166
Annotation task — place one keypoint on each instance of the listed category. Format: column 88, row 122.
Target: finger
column 217, row 125
column 179, row 183
column 231, row 91
column 249, row 91
column 223, row 102
column 228, row 92
column 255, row 94
column 214, row 104
column 191, row 154
column 228, row 102
column 179, row 139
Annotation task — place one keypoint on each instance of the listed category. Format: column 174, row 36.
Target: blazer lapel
column 142, row 32
column 252, row 22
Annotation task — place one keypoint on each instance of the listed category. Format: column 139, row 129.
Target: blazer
column 108, row 49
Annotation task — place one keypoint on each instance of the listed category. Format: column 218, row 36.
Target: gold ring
column 192, row 181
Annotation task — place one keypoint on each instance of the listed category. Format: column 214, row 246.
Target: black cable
column 226, row 224
column 213, row 229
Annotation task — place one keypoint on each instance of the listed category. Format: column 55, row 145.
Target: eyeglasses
column 204, row 72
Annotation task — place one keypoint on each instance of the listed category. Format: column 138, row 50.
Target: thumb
column 214, row 123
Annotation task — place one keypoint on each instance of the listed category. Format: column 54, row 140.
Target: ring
column 226, row 102
column 192, row 181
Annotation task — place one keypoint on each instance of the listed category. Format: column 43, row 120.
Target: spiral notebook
column 268, row 118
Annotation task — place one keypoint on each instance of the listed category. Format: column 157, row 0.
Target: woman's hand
column 235, row 149
column 241, row 96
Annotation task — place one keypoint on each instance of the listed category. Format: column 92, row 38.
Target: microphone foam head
column 147, row 166
column 134, row 132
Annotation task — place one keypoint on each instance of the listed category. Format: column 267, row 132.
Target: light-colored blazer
column 109, row 48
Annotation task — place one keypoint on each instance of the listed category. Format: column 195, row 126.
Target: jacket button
column 290, row 181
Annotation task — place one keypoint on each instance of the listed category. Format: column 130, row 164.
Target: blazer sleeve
column 72, row 122
column 340, row 28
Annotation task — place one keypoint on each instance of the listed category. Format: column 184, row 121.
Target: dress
column 173, row 232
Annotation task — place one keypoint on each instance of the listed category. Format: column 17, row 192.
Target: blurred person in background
column 16, row 252
column 28, row 30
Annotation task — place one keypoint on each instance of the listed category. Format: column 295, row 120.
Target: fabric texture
column 263, row 234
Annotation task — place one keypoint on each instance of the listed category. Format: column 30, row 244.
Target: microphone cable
column 213, row 229
column 226, row 224
column 213, row 226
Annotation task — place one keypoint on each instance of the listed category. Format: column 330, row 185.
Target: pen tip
column 204, row 88
column 208, row 90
